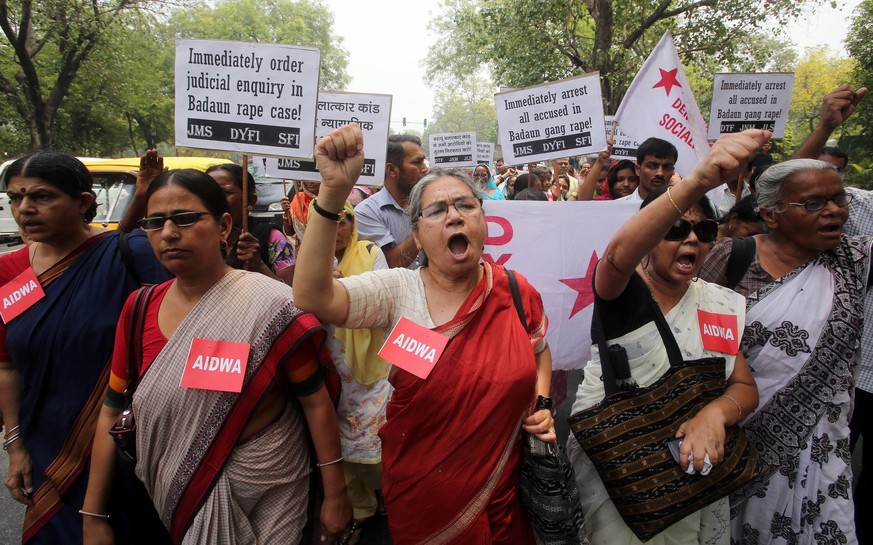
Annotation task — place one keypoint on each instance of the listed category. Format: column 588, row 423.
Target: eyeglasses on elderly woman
column 436, row 212
column 818, row 203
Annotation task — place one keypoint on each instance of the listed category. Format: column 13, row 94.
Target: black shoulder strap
column 127, row 255
column 741, row 258
column 135, row 338
column 516, row 296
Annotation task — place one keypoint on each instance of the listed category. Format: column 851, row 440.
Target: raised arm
column 836, row 107
column 589, row 185
column 340, row 157
column 645, row 229
column 150, row 166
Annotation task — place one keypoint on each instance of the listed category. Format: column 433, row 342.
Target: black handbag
column 124, row 429
column 547, row 485
column 626, row 437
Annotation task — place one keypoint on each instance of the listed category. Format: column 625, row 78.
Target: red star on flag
column 583, row 287
column 668, row 80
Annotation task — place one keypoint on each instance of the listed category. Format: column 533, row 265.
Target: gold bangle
column 669, row 196
column 739, row 410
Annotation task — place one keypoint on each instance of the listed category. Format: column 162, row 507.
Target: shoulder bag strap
column 610, row 385
column 673, row 352
column 135, row 338
column 516, row 296
column 741, row 258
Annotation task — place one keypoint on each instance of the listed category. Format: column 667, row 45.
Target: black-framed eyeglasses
column 466, row 206
column 818, row 203
column 706, row 230
column 480, row 175
column 180, row 219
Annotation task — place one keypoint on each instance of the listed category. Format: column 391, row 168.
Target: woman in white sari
column 805, row 294
column 657, row 254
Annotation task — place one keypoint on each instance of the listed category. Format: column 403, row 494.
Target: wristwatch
column 543, row 403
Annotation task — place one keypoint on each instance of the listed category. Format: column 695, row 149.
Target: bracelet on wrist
column 11, row 440
column 95, row 515
column 332, row 216
column 11, row 431
column 338, row 460
column 543, row 403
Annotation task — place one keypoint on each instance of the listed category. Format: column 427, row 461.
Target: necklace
column 33, row 255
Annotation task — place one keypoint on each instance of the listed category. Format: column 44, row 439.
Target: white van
column 8, row 227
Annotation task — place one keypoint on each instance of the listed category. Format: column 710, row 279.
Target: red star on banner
column 668, row 80
column 583, row 287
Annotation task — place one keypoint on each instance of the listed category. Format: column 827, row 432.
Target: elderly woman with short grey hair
column 450, row 447
column 805, row 289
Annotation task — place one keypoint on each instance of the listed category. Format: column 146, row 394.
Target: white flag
column 541, row 241
column 659, row 104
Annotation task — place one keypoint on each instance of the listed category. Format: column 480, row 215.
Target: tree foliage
column 859, row 42
column 47, row 44
column 96, row 78
column 526, row 42
column 465, row 108
column 817, row 73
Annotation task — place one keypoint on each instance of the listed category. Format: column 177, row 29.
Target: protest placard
column 557, row 119
column 485, row 153
column 246, row 97
column 750, row 101
column 452, row 149
column 371, row 112
column 623, row 146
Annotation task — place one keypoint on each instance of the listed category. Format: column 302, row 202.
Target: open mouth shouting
column 458, row 245
column 685, row 262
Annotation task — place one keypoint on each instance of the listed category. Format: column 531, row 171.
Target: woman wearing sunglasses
column 221, row 447
column 805, row 290
column 650, row 266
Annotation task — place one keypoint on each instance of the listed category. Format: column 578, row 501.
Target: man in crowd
column 562, row 166
column 656, row 163
column 837, row 107
column 380, row 218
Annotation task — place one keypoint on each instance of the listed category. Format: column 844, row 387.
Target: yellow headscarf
column 362, row 345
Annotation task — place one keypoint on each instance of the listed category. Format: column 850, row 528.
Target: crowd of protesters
column 321, row 433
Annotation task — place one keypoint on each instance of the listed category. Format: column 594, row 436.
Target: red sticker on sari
column 19, row 294
column 413, row 348
column 719, row 332
column 216, row 365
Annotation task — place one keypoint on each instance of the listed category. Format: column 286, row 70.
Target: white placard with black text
column 485, row 153
column 452, row 150
column 623, row 146
column 750, row 101
column 371, row 112
column 557, row 119
column 246, row 97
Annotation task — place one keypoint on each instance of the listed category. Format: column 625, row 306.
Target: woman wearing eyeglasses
column 54, row 352
column 649, row 266
column 805, row 293
column 221, row 447
column 450, row 446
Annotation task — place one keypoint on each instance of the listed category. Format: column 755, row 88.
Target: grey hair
column 771, row 184
column 413, row 209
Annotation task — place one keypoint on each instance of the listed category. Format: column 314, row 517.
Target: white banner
column 246, row 97
column 485, row 153
column 750, row 101
column 623, row 146
column 540, row 240
column 659, row 103
column 371, row 112
column 452, row 149
column 557, row 119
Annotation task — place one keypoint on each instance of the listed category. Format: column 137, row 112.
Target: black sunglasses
column 181, row 219
column 706, row 230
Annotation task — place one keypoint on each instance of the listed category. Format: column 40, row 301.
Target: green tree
column 526, row 42
column 465, row 108
column 301, row 22
column 46, row 45
column 817, row 73
column 859, row 42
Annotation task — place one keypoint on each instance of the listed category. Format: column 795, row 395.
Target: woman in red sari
column 450, row 447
